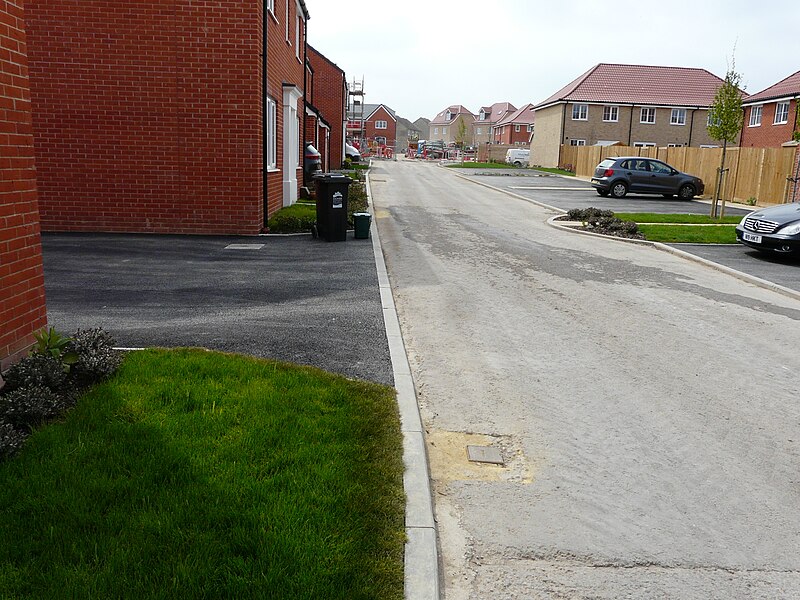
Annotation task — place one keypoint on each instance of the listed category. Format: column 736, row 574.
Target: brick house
column 515, row 128
column 22, row 298
column 166, row 117
column 636, row 105
column 327, row 93
column 445, row 125
column 487, row 118
column 770, row 116
column 378, row 127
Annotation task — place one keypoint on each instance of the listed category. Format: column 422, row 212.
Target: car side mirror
column 674, row 172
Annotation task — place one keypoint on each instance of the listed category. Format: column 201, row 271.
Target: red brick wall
column 768, row 135
column 284, row 67
column 147, row 114
column 22, row 304
column 329, row 95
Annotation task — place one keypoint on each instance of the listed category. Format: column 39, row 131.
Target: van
column 517, row 157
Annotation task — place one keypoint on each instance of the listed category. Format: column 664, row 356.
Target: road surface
column 646, row 407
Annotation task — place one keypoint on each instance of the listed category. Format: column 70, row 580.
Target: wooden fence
column 760, row 173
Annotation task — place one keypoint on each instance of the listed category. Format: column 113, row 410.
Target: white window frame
column 649, row 111
column 444, row 130
column 674, row 145
column 297, row 31
column 580, row 112
column 516, row 128
column 271, row 159
column 755, row 115
column 577, row 142
column 482, row 116
column 781, row 108
column 678, row 116
column 271, row 6
column 448, row 116
column 478, row 131
column 436, row 131
column 381, row 125
column 610, row 114
column 530, row 128
column 288, row 41
column 644, row 145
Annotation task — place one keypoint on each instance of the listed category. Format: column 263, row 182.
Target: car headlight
column 792, row 229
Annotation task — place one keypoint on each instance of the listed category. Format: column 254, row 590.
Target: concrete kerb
column 421, row 551
column 762, row 283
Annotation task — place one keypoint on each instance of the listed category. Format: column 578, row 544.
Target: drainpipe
column 264, row 115
column 691, row 126
column 630, row 126
column 563, row 127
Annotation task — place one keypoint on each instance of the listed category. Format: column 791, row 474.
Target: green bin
column 361, row 222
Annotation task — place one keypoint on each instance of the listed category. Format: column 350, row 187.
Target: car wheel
column 668, row 195
column 686, row 192
column 619, row 189
column 602, row 193
column 517, row 163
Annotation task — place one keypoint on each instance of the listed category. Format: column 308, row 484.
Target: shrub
column 30, row 406
column 11, row 440
column 36, row 370
column 293, row 219
column 96, row 358
column 586, row 215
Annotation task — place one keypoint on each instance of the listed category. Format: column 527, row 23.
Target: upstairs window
column 611, row 114
column 648, row 115
column 580, row 112
column 755, row 116
column 381, row 124
column 272, row 134
column 271, row 6
column 678, row 116
column 516, row 128
column 781, row 113
column 577, row 142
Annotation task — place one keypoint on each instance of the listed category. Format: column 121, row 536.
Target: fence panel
column 759, row 173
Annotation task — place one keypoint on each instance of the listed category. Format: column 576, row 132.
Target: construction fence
column 767, row 174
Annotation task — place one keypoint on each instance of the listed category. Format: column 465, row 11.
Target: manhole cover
column 244, row 246
column 484, row 454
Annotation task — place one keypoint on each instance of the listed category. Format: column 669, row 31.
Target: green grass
column 195, row 474
column 554, row 170
column 688, row 234
column 479, row 165
column 682, row 218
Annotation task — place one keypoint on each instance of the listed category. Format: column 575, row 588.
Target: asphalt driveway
column 290, row 298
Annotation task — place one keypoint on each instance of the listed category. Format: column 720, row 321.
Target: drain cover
column 484, row 454
column 244, row 246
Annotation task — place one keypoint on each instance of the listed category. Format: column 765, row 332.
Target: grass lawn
column 479, row 165
column 554, row 170
column 196, row 474
column 688, row 234
column 666, row 218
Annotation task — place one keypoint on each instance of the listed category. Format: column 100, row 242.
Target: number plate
column 749, row 237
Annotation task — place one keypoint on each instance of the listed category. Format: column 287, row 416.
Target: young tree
column 725, row 123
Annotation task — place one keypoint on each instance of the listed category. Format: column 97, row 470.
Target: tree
column 461, row 136
column 724, row 124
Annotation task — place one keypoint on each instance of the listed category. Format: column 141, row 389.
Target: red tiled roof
column 785, row 88
column 497, row 111
column 523, row 116
column 455, row 110
column 640, row 84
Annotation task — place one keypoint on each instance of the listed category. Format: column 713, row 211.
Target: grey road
column 645, row 406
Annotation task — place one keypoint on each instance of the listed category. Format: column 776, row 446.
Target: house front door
column 291, row 144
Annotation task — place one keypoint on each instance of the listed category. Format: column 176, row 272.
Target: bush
column 36, row 370
column 588, row 214
column 297, row 218
column 96, row 358
column 11, row 440
column 29, row 406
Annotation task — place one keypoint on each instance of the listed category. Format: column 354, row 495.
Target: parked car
column 518, row 157
column 352, row 152
column 618, row 176
column 773, row 229
column 312, row 160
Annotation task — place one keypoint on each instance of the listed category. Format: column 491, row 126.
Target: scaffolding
column 356, row 128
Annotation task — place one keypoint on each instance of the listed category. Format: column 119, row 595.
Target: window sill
column 272, row 14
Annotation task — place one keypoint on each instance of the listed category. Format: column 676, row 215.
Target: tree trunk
column 722, row 178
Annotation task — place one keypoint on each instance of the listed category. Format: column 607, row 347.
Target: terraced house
column 770, row 116
column 635, row 105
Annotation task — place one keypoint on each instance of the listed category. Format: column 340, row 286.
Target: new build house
column 635, row 105
column 770, row 116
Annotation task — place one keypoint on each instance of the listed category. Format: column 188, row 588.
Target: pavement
column 291, row 298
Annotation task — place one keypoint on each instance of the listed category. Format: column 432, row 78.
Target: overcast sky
column 421, row 56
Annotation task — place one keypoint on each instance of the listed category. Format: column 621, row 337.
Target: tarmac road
column 645, row 406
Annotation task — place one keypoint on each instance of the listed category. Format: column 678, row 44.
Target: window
column 659, row 167
column 436, row 130
column 297, row 33
column 482, row 115
column 580, row 112
column 781, row 113
column 444, row 130
column 712, row 120
column 530, row 128
column 577, row 142
column 674, row 145
column 287, row 23
column 271, row 6
column 643, row 144
column 648, row 115
column 448, row 116
column 381, row 124
column 478, row 130
column 516, row 128
column 611, row 114
column 755, row 116
column 272, row 134
column 678, row 116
